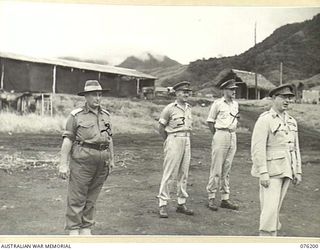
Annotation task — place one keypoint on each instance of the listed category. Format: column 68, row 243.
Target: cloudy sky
column 114, row 32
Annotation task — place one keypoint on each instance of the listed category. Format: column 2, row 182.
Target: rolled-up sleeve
column 70, row 129
column 259, row 146
column 165, row 116
column 213, row 113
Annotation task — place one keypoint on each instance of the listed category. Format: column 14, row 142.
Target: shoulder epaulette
column 292, row 119
column 76, row 111
column 105, row 111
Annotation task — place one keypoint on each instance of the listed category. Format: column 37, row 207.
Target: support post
column 42, row 104
column 51, row 105
column 138, row 86
column 54, row 79
column 256, row 85
column 2, row 75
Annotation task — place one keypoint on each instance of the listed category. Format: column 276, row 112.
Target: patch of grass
column 137, row 116
column 31, row 123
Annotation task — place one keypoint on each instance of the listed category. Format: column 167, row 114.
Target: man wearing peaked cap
column 184, row 86
column 87, row 142
column 175, row 125
column 285, row 89
column 276, row 157
column 222, row 121
column 230, row 84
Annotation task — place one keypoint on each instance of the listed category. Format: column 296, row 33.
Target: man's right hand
column 265, row 180
column 63, row 172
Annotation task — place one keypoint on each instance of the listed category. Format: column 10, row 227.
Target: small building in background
column 310, row 96
column 246, row 88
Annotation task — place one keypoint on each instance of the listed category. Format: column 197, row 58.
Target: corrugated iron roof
column 80, row 65
column 249, row 79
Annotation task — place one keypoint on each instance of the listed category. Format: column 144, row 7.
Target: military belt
column 289, row 147
column 99, row 147
column 227, row 130
column 180, row 134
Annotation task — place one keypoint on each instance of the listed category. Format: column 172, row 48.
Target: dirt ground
column 33, row 198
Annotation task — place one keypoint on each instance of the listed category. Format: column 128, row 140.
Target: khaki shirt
column 275, row 146
column 84, row 124
column 224, row 114
column 176, row 118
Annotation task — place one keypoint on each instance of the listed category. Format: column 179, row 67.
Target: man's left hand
column 297, row 179
column 111, row 166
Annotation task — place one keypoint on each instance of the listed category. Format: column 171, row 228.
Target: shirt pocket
column 292, row 127
column 276, row 161
column 178, row 121
column 86, row 130
column 224, row 113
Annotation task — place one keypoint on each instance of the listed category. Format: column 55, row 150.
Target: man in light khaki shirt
column 222, row 122
column 175, row 125
column 276, row 158
column 86, row 158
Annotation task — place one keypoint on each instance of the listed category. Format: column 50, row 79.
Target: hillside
column 148, row 61
column 167, row 75
column 297, row 45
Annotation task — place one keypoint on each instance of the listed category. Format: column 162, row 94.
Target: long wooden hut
column 27, row 74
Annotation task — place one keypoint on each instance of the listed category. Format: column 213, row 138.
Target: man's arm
column 162, row 131
column 64, row 158
column 211, row 127
column 213, row 113
column 298, row 176
column 259, row 152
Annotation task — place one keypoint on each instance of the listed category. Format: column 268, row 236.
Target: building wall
column 251, row 94
column 146, row 83
column 71, row 80
column 241, row 92
column 23, row 76
column 262, row 93
column 40, row 77
column 109, row 81
column 128, row 88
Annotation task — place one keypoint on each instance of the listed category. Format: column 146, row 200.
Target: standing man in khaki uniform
column 87, row 157
column 222, row 122
column 175, row 125
column 276, row 158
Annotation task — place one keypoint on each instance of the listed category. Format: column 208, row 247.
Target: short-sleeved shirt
column 224, row 114
column 176, row 118
column 86, row 125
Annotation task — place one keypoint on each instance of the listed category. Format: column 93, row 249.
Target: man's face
column 182, row 95
column 230, row 93
column 93, row 99
column 282, row 102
